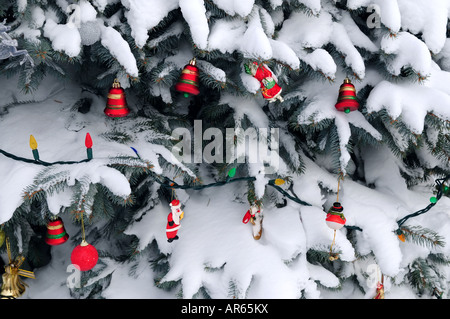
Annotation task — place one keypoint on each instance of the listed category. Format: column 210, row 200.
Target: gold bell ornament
column 13, row 286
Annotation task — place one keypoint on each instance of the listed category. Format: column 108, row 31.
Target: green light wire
column 168, row 183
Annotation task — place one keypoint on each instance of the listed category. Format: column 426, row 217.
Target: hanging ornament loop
column 116, row 84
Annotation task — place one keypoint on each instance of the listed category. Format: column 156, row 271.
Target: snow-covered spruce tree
column 381, row 160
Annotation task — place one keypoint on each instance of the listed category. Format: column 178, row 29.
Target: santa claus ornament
column 255, row 216
column 380, row 289
column 173, row 220
column 270, row 90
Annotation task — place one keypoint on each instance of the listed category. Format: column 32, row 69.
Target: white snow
column 223, row 30
column 87, row 12
column 214, row 72
column 64, row 37
column 410, row 101
column 144, row 15
column 389, row 11
column 233, row 7
column 22, row 5
column 344, row 45
column 246, row 107
column 415, row 19
column 216, row 250
column 194, row 14
column 401, row 45
column 358, row 38
column 254, row 43
column 119, row 48
column 308, row 30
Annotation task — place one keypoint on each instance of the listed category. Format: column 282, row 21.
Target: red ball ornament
column 84, row 256
column 347, row 101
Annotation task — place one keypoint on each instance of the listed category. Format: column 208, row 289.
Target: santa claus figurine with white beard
column 255, row 216
column 173, row 220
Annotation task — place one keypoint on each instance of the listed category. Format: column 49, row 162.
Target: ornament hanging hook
column 83, row 235
column 333, row 257
column 340, row 177
column 116, row 83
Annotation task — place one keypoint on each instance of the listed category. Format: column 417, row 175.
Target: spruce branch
column 422, row 236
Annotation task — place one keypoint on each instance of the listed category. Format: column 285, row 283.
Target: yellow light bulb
column 33, row 143
column 279, row 181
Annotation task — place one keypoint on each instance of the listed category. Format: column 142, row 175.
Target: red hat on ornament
column 175, row 203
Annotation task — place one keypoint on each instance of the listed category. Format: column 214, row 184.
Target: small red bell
column 347, row 101
column 116, row 106
column 189, row 79
column 56, row 233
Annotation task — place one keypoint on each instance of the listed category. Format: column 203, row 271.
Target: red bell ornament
column 116, row 105
column 84, row 256
column 56, row 233
column 347, row 101
column 189, row 79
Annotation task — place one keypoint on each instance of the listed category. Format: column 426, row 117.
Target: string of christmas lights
column 38, row 161
column 166, row 182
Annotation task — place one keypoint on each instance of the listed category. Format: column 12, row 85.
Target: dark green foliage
column 107, row 216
